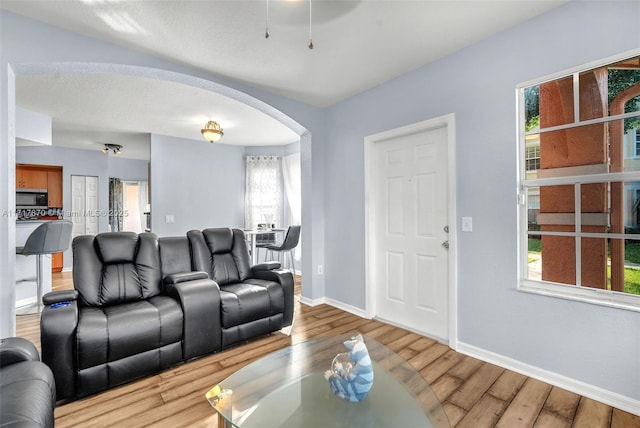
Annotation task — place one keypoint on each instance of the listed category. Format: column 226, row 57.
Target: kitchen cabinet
column 54, row 187
column 20, row 183
column 30, row 178
column 44, row 177
column 57, row 262
column 41, row 177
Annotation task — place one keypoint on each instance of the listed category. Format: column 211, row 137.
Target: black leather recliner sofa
column 27, row 387
column 142, row 304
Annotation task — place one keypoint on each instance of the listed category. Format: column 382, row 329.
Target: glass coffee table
column 287, row 389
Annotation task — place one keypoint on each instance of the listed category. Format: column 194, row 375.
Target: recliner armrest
column 285, row 278
column 17, row 349
column 61, row 296
column 265, row 266
column 202, row 328
column 58, row 324
column 177, row 278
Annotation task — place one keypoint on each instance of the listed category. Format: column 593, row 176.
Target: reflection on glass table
column 287, row 389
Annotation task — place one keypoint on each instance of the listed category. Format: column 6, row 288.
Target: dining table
column 252, row 234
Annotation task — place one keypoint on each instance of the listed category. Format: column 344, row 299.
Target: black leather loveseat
column 142, row 304
column 27, row 388
column 253, row 300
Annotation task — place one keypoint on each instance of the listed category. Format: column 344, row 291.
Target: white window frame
column 537, row 148
column 572, row 292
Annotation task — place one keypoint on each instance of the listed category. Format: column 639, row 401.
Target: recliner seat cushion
column 115, row 332
column 250, row 300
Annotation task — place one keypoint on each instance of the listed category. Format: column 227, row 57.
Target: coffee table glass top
column 287, row 389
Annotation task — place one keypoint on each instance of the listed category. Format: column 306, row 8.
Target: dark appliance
column 32, row 199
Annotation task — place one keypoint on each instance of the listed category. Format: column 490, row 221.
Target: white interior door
column 84, row 205
column 411, row 231
column 77, row 205
column 91, row 198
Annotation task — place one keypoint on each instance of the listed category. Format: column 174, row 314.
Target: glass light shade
column 212, row 131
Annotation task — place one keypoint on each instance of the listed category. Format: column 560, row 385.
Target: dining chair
column 288, row 245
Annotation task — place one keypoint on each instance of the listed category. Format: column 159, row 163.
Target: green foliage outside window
column 619, row 80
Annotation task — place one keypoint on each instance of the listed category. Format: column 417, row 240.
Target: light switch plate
column 169, row 219
column 467, row 224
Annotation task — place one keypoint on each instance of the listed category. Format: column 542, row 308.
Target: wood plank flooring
column 474, row 393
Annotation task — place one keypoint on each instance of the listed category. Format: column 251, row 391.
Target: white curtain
column 263, row 195
column 293, row 186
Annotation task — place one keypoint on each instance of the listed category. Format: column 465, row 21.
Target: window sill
column 612, row 299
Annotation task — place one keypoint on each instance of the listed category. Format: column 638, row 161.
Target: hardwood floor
column 474, row 393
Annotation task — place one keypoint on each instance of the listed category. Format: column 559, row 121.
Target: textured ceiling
column 89, row 110
column 357, row 45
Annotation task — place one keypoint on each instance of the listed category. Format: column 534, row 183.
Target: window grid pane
column 600, row 247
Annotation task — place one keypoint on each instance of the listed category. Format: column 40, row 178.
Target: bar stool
column 50, row 237
column 289, row 244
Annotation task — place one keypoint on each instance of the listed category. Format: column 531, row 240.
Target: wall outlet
column 320, row 269
column 169, row 219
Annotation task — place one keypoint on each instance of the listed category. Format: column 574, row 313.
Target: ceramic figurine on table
column 351, row 374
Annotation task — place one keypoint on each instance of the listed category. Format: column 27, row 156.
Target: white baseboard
column 26, row 302
column 311, row 302
column 347, row 308
column 67, row 269
column 599, row 394
column 336, row 304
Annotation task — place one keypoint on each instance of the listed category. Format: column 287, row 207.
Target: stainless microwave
column 32, row 198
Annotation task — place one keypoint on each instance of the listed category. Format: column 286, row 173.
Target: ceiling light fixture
column 115, row 148
column 212, row 131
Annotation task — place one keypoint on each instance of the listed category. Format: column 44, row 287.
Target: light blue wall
column 199, row 183
column 592, row 344
column 264, row 151
column 209, row 191
column 28, row 46
column 84, row 162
